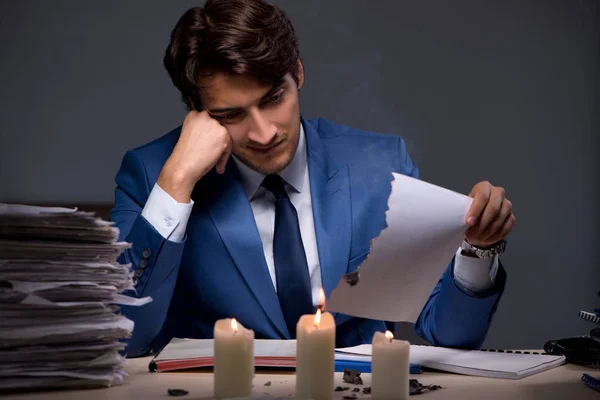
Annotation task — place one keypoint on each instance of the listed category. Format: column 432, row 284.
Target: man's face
column 263, row 121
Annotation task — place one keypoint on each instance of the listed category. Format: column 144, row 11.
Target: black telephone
column 581, row 350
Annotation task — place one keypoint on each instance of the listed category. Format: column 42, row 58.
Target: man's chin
column 269, row 168
column 267, row 165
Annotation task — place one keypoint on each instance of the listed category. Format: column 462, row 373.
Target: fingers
column 481, row 194
column 490, row 217
column 507, row 226
column 225, row 156
column 499, row 220
column 492, row 210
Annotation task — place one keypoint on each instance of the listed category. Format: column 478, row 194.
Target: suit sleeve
column 154, row 260
column 453, row 316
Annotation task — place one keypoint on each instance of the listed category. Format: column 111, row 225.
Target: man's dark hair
column 239, row 37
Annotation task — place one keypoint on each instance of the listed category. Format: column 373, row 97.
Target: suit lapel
column 232, row 215
column 330, row 192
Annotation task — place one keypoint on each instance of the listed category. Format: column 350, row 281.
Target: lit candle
column 234, row 359
column 315, row 354
column 390, row 367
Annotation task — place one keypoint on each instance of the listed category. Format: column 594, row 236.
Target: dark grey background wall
column 500, row 90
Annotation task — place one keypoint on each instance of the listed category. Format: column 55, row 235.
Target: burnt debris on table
column 352, row 376
column 177, row 392
column 341, row 388
column 418, row 388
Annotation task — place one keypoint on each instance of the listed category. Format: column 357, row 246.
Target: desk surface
column 559, row 383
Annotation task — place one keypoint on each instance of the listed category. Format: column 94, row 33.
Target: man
column 247, row 210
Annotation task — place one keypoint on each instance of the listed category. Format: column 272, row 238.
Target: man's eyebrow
column 274, row 88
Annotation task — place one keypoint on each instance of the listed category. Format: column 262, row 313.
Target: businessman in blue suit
column 248, row 210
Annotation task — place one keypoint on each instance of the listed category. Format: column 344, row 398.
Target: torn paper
column 425, row 227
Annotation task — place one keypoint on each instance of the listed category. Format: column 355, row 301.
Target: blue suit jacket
column 220, row 271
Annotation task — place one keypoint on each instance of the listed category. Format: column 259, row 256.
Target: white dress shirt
column 170, row 219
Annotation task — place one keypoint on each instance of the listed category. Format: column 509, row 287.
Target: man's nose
column 261, row 131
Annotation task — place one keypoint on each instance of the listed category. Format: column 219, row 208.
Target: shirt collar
column 293, row 174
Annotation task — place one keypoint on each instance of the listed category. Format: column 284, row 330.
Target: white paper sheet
column 425, row 227
column 33, row 332
column 27, row 210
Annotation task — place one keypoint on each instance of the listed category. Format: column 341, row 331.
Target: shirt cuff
column 166, row 215
column 475, row 274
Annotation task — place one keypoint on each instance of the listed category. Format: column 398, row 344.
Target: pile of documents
column 59, row 285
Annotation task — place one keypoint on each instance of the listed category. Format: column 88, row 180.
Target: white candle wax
column 315, row 357
column 234, row 359
column 390, row 368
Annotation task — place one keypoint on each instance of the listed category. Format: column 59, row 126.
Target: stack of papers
column 59, row 285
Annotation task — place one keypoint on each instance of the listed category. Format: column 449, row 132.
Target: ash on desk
column 417, row 388
column 177, row 392
column 352, row 376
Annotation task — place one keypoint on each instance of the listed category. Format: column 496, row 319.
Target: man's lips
column 265, row 150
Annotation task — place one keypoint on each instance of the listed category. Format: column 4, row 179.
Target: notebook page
column 184, row 349
column 274, row 348
column 480, row 362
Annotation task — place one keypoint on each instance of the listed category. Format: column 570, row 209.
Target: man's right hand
column 203, row 144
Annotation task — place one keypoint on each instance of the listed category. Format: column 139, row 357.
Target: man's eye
column 229, row 117
column 276, row 98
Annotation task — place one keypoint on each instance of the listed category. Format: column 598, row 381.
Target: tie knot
column 274, row 184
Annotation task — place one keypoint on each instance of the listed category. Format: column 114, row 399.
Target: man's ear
column 300, row 74
column 192, row 105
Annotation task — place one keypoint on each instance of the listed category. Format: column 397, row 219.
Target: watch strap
column 468, row 249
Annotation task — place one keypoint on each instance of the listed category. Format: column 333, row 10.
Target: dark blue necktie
column 291, row 267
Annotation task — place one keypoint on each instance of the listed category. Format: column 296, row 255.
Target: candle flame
column 322, row 299
column 318, row 318
column 389, row 335
column 234, row 325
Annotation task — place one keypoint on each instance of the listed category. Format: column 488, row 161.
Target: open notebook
column 195, row 353
column 491, row 364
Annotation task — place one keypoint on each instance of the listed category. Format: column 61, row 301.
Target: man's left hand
column 490, row 217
